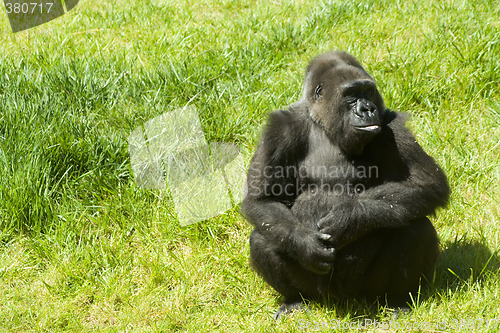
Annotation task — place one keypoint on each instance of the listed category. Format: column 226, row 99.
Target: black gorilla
column 339, row 190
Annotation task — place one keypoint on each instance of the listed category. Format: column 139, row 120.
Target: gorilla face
column 344, row 100
column 364, row 115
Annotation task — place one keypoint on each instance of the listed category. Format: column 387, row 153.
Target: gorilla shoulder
column 286, row 134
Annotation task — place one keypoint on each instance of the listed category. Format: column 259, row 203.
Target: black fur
column 339, row 190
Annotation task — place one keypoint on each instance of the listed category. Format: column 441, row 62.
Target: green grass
column 83, row 249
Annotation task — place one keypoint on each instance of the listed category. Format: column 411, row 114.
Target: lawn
column 83, row 248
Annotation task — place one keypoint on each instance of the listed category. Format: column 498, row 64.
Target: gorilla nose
column 365, row 106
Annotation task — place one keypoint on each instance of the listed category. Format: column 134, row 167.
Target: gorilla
column 338, row 192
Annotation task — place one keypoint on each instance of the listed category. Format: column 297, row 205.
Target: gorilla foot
column 289, row 307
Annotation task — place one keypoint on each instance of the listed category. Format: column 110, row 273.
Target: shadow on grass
column 464, row 261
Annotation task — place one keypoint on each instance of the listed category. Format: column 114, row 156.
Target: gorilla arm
column 271, row 185
column 394, row 203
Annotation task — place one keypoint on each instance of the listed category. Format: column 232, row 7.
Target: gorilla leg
column 406, row 259
column 280, row 271
column 390, row 262
column 352, row 263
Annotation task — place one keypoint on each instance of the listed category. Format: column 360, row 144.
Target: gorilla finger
column 326, row 222
column 322, row 223
column 326, row 231
column 324, row 236
column 326, row 255
column 330, row 232
column 332, row 253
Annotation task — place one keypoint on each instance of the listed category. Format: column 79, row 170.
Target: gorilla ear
column 317, row 91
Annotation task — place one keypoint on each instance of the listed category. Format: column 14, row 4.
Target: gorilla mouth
column 370, row 128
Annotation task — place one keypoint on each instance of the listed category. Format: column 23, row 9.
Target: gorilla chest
column 327, row 169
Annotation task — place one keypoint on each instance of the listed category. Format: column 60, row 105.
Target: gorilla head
column 343, row 98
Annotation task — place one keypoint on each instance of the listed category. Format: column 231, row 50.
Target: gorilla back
column 339, row 190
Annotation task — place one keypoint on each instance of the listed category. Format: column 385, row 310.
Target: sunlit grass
column 84, row 249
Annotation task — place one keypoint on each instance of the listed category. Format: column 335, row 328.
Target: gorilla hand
column 341, row 224
column 311, row 250
column 348, row 221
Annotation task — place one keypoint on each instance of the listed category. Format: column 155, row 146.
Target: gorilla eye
column 317, row 91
